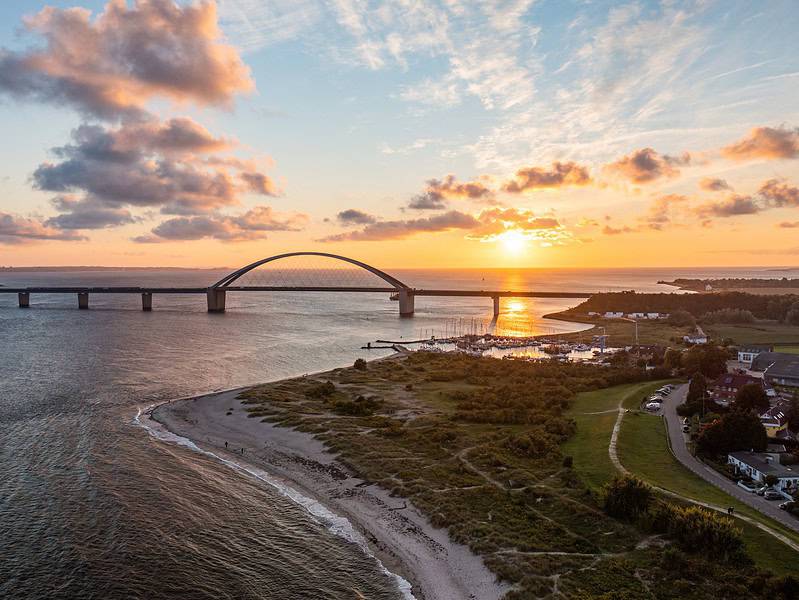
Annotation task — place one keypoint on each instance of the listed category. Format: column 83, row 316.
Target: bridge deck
column 187, row 290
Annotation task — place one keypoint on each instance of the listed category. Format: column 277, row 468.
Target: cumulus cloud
column 112, row 65
column 713, row 184
column 609, row 230
column 777, row 193
column 765, row 143
column 439, row 191
column 17, row 230
column 400, row 229
column 731, row 206
column 647, row 165
column 559, row 175
column 143, row 164
column 353, row 216
column 789, row 224
column 252, row 225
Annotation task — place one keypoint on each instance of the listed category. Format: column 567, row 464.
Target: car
column 761, row 490
column 772, row 495
column 788, row 505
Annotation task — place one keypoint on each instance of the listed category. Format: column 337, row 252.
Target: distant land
column 97, row 268
column 752, row 285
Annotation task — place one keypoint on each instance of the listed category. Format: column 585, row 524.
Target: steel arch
column 226, row 281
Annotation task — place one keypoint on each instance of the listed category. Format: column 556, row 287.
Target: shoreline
column 391, row 529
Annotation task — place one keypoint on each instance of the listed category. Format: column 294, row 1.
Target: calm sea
column 92, row 505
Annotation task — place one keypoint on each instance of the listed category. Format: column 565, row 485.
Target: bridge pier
column 496, row 305
column 216, row 300
column 405, row 303
column 83, row 300
column 146, row 301
column 24, row 299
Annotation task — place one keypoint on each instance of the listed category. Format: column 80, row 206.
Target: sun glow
column 513, row 241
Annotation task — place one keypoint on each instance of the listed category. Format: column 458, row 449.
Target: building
column 636, row 315
column 749, row 353
column 779, row 369
column 758, row 465
column 775, row 420
column 656, row 316
column 726, row 386
column 614, row 315
column 697, row 337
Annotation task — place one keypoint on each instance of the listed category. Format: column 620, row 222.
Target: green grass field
column 787, row 349
column 762, row 332
column 589, row 445
column 643, row 449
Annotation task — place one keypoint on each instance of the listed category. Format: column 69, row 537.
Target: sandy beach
column 396, row 533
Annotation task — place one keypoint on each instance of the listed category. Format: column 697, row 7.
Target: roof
column 735, row 380
column 777, row 362
column 755, row 348
column 774, row 416
column 757, row 460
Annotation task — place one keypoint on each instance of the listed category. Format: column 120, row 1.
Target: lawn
column 761, row 332
column 622, row 333
column 643, row 449
column 589, row 445
column 787, row 349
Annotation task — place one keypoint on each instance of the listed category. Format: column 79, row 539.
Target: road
column 678, row 444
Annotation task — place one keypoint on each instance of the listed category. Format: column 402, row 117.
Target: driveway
column 678, row 444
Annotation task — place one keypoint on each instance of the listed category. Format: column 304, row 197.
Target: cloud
column 17, row 230
column 778, row 194
column 438, row 191
column 144, row 164
column 765, row 143
column 560, row 175
column 789, row 224
column 353, row 216
column 646, row 165
column 661, row 209
column 713, row 184
column 252, row 225
column 608, row 230
column 732, row 206
column 114, row 64
column 400, row 229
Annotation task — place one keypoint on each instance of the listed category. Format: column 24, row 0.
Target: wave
column 336, row 524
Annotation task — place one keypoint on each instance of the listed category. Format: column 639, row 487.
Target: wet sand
column 395, row 531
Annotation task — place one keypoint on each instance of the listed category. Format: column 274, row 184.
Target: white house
column 748, row 354
column 653, row 315
column 757, row 465
column 636, row 315
column 614, row 315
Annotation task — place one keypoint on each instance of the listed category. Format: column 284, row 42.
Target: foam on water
column 336, row 524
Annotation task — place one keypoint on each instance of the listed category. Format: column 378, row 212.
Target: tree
column 737, row 430
column 697, row 388
column 626, row 497
column 671, row 360
column 752, row 397
column 681, row 318
column 708, row 359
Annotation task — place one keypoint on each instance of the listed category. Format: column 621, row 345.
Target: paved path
column 680, row 450
column 702, row 470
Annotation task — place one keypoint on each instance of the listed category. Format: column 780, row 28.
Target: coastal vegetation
column 495, row 451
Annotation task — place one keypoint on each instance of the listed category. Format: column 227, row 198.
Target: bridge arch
column 229, row 279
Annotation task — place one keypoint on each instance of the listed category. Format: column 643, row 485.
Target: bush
column 699, row 530
column 360, row 407
column 681, row 318
column 321, row 390
column 360, row 364
column 626, row 497
column 728, row 315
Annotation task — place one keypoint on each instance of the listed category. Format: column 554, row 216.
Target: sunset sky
column 488, row 134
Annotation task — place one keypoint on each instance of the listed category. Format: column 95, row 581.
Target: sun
column 513, row 241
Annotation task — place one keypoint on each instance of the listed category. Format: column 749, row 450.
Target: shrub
column 626, row 497
column 360, row 364
column 321, row 390
column 360, row 407
column 728, row 315
column 699, row 530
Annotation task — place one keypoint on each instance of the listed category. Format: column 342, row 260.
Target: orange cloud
column 765, row 142
column 559, row 175
column 439, row 191
column 713, row 184
column 17, row 230
column 646, row 165
column 731, row 206
column 778, row 194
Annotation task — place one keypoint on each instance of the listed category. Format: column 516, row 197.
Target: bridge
column 251, row 278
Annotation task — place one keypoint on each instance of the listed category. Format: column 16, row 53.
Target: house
column 614, row 315
column 636, row 315
column 653, row 316
column 726, row 386
column 775, row 420
column 697, row 337
column 593, row 313
column 779, row 369
column 747, row 354
column 759, row 465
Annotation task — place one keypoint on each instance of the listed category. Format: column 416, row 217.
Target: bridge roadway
column 216, row 295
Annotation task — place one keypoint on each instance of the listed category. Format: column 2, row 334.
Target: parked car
column 788, row 505
column 761, row 490
column 772, row 495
